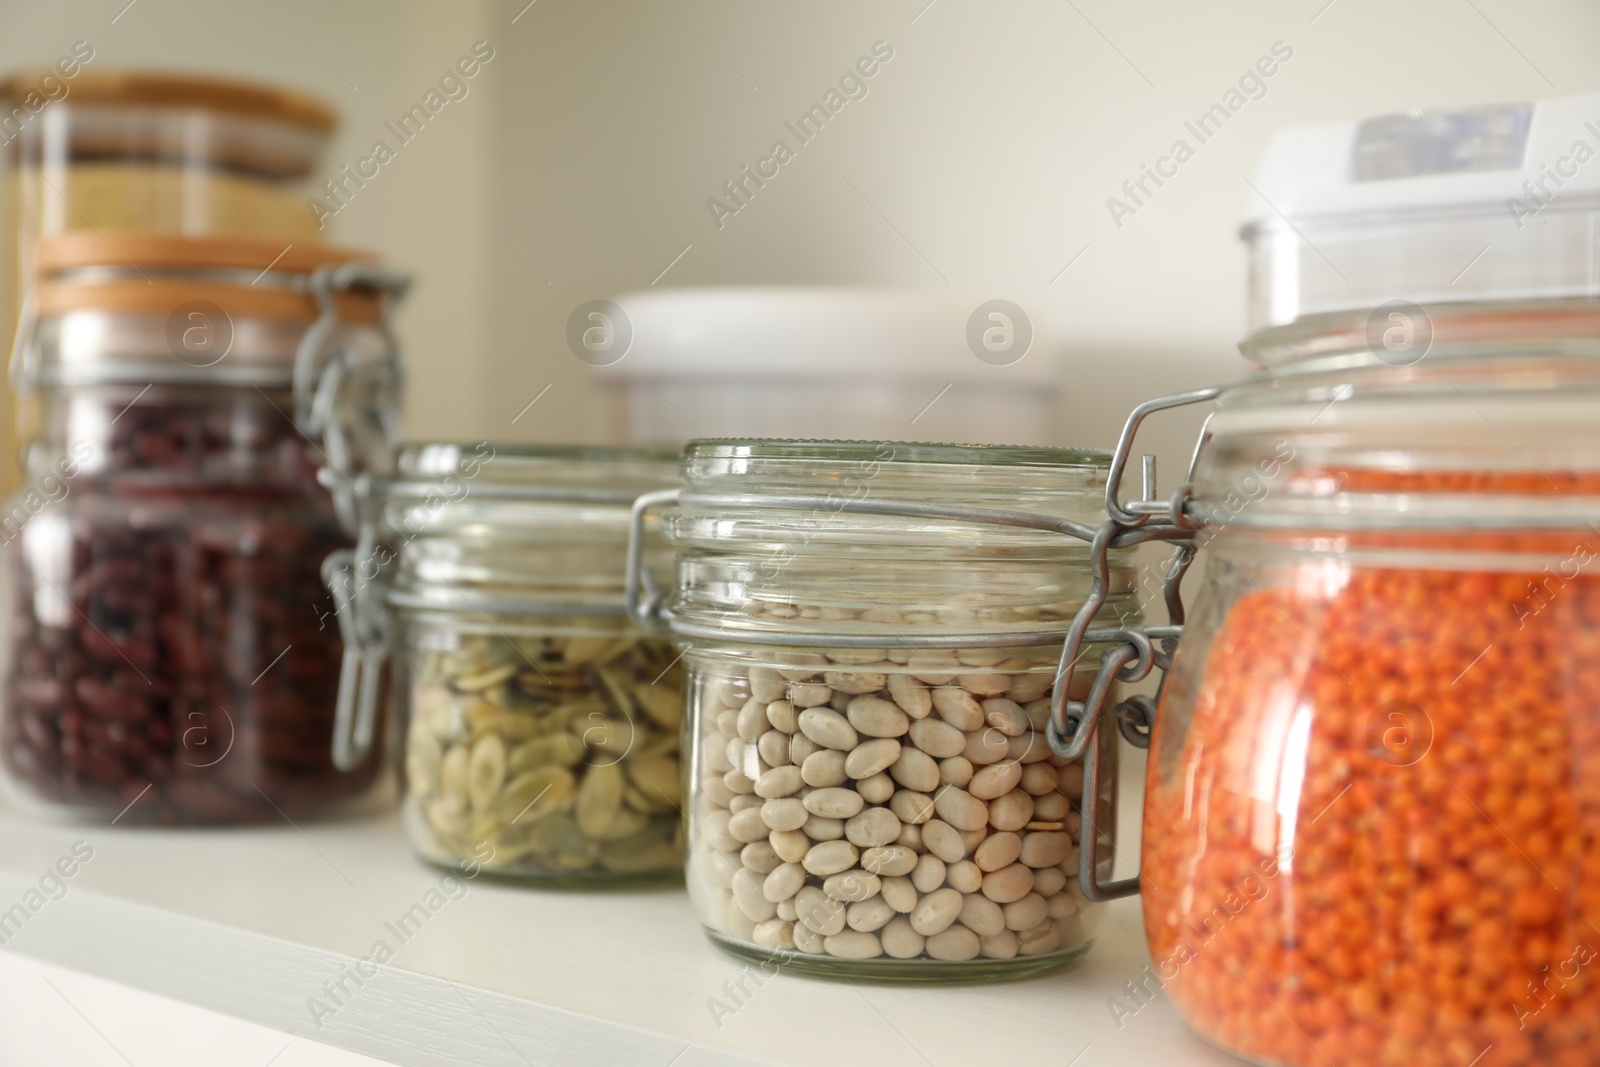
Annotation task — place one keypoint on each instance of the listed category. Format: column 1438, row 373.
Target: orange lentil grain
column 1415, row 755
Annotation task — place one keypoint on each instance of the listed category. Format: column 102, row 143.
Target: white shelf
column 251, row 923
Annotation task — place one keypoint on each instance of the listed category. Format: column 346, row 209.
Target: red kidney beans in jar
column 172, row 654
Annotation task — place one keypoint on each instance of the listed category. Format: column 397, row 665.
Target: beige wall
column 990, row 142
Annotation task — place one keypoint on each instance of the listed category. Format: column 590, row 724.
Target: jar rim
column 1462, row 329
column 734, row 448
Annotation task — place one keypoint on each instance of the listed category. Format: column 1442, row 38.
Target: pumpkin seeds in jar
column 559, row 752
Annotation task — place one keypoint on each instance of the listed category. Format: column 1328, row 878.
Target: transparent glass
column 109, row 166
column 543, row 748
column 1372, row 803
column 168, row 658
column 884, row 812
column 1371, row 810
column 541, row 728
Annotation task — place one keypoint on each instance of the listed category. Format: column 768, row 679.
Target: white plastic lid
column 835, row 333
column 1487, row 203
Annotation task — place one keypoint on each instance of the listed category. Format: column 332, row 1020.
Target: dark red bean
column 191, row 562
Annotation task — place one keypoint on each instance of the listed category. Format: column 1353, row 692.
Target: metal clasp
column 319, row 381
column 364, row 631
column 1074, row 727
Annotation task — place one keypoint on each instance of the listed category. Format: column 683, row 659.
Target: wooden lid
column 163, row 251
column 161, row 255
column 162, row 89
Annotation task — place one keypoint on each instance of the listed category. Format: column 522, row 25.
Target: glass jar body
column 884, row 812
column 168, row 655
column 1371, row 810
column 541, row 747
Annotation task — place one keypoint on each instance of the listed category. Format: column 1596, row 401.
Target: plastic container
column 871, row 792
column 769, row 362
column 1371, row 807
column 541, row 727
column 166, row 655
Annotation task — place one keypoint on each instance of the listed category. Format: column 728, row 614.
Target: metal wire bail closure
column 364, row 631
column 320, row 375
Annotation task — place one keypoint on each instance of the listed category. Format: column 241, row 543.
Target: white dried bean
column 808, row 940
column 714, row 825
column 989, row 783
column 1006, row 716
column 752, row 721
column 760, row 857
column 852, row 885
column 1008, row 883
column 790, row 845
column 900, row 940
column 965, row 876
column 985, row 685
column 773, row 934
column 961, row 809
column 773, row 748
column 1029, row 749
column 944, row 841
column 825, row 768
column 854, row 682
column 1012, row 811
column 936, row 911
column 784, row 814
column 916, row 770
column 1051, row 807
column 719, row 868
column 747, row 826
column 783, row 882
column 1045, row 848
column 889, row 860
column 747, row 894
column 900, row 894
column 1001, row 946
column 998, row 850
column 958, row 707
column 1026, row 913
column 928, row 875
column 911, row 695
column 836, row 803
column 828, row 728
column 1062, row 906
column 1039, row 779
column 873, row 827
column 981, row 915
column 820, row 828
column 817, row 913
column 869, row 915
column 1049, row 881
column 809, row 696
column 765, row 684
column 911, row 807
column 781, row 714
column 877, row 717
column 831, row 857
column 779, row 782
column 1040, row 940
column 870, row 757
column 986, row 746
column 877, row 789
column 853, row 945
column 957, row 770
column 1024, row 688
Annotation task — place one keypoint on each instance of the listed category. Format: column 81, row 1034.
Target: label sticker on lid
column 1447, row 142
